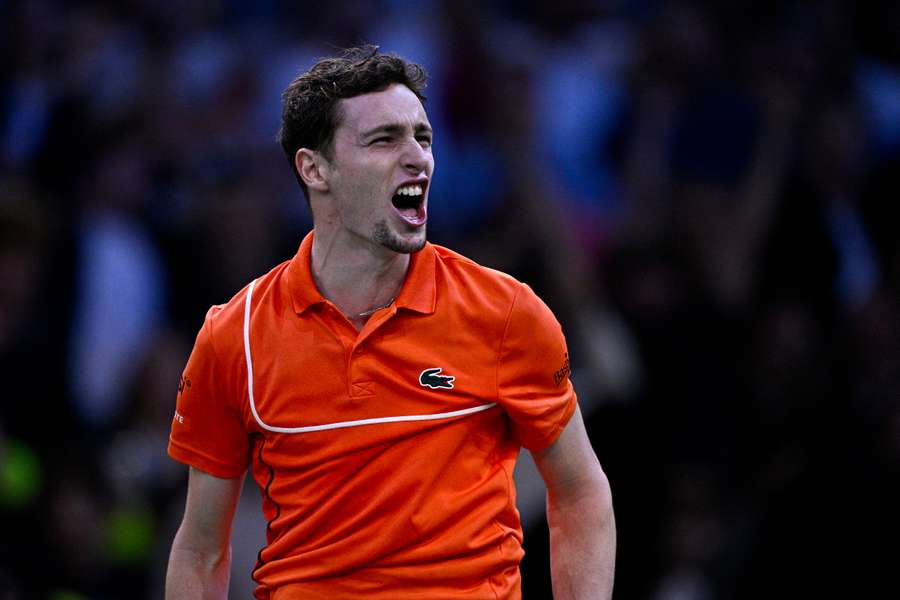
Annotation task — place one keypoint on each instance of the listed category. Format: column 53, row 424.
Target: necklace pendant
column 372, row 311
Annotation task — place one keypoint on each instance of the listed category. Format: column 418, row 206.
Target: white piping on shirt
column 340, row 424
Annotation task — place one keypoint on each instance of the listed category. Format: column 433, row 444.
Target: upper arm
column 569, row 463
column 209, row 512
column 209, row 430
column 533, row 386
column 580, row 515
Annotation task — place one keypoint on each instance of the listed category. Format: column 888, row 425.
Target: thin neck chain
column 374, row 310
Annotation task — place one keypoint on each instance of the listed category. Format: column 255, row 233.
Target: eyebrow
column 396, row 129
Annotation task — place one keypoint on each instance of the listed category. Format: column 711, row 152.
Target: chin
column 405, row 246
column 402, row 244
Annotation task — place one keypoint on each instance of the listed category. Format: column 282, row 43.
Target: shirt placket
column 361, row 355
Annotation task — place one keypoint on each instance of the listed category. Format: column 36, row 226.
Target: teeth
column 410, row 190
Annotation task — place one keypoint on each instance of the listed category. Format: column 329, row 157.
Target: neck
column 358, row 279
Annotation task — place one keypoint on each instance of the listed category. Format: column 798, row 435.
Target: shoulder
column 226, row 321
column 456, row 268
column 486, row 284
column 493, row 299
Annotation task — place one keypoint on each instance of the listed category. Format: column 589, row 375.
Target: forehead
column 396, row 105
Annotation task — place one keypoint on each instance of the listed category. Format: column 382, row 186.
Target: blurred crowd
column 705, row 193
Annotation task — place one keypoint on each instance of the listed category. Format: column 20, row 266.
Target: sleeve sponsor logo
column 183, row 382
column 563, row 373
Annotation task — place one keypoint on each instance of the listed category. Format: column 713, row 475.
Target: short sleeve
column 533, row 372
column 207, row 430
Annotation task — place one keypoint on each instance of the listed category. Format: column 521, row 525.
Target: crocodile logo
column 433, row 379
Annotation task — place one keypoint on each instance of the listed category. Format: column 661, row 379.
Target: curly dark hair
column 309, row 113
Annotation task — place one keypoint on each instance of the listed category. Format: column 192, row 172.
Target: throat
column 359, row 288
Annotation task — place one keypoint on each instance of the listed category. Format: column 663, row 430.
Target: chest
column 310, row 375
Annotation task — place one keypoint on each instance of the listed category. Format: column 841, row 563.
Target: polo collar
column 418, row 293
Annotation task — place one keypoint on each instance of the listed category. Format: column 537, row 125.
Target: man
column 379, row 387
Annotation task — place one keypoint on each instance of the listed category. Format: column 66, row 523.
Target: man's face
column 381, row 168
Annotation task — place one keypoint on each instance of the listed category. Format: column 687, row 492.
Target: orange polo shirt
column 385, row 456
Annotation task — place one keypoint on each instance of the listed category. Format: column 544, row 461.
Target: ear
column 313, row 169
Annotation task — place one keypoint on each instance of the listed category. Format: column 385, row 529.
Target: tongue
column 414, row 215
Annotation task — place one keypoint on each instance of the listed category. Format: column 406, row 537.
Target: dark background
column 705, row 193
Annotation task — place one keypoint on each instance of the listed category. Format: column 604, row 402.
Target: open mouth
column 409, row 202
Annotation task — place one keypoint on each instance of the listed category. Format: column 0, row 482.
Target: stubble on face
column 383, row 235
column 363, row 174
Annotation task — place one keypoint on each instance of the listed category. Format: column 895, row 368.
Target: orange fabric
column 421, row 509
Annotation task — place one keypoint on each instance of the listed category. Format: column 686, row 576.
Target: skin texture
column 361, row 248
column 200, row 560
column 580, row 515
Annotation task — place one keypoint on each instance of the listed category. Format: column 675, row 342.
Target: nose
column 416, row 158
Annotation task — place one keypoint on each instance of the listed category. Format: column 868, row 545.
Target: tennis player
column 378, row 388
